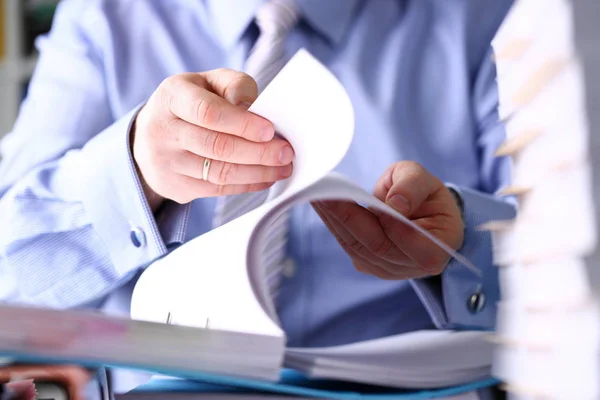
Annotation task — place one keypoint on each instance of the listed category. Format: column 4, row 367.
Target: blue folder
column 290, row 383
column 295, row 384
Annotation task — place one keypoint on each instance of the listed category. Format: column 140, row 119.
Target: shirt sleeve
column 75, row 222
column 459, row 299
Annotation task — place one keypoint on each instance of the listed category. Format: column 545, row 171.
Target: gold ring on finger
column 206, row 168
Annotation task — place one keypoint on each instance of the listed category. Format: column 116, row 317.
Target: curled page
column 210, row 278
column 218, row 276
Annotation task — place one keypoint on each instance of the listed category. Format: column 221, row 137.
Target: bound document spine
column 548, row 318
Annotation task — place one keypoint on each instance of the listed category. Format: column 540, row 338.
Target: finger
column 384, row 184
column 189, row 97
column 399, row 273
column 189, row 189
column 223, row 173
column 425, row 254
column 411, row 185
column 360, row 263
column 368, row 268
column 372, row 266
column 229, row 148
column 363, row 231
column 352, row 245
column 416, row 255
column 236, row 87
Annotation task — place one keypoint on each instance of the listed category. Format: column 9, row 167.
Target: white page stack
column 548, row 318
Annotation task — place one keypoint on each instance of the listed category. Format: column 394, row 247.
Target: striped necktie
column 275, row 19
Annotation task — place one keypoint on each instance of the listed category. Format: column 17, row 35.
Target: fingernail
column 267, row 133
column 286, row 171
column 286, row 155
column 245, row 105
column 399, row 203
column 242, row 94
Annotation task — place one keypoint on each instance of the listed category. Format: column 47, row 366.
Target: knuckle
column 264, row 153
column 221, row 190
column 207, row 112
column 208, row 141
column 237, row 79
column 245, row 126
column 226, row 173
column 222, row 146
column 222, row 71
column 356, row 246
column 411, row 165
column 434, row 262
column 168, row 83
column 165, row 95
column 345, row 217
column 269, row 174
column 381, row 246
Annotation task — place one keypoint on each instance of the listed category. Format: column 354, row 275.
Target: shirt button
column 289, row 268
column 476, row 302
column 138, row 237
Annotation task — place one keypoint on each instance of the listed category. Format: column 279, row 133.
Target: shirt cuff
column 172, row 220
column 114, row 199
column 459, row 299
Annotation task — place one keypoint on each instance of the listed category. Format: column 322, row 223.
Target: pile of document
column 548, row 319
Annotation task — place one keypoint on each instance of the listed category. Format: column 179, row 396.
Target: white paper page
column 421, row 350
column 550, row 328
column 428, row 358
column 569, row 188
column 534, row 31
column 532, row 21
column 205, row 284
column 526, row 242
column 558, row 117
column 398, row 379
column 555, row 219
column 335, row 186
column 552, row 375
column 546, row 284
column 207, row 278
column 94, row 337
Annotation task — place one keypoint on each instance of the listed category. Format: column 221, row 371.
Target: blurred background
column 21, row 21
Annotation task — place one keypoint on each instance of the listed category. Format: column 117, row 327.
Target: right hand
column 192, row 116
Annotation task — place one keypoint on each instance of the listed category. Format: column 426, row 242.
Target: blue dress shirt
column 76, row 228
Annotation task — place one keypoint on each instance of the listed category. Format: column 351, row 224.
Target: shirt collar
column 231, row 18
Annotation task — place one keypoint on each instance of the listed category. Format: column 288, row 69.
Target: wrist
column 155, row 201
column 459, row 201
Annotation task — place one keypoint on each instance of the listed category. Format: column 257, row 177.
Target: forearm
column 78, row 226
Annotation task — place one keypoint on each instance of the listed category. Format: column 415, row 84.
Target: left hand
column 384, row 247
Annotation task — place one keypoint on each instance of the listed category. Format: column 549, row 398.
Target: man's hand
column 194, row 116
column 73, row 378
column 387, row 248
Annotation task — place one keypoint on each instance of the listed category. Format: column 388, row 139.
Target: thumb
column 236, row 87
column 410, row 185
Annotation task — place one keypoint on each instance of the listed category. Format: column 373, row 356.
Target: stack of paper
column 548, row 319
